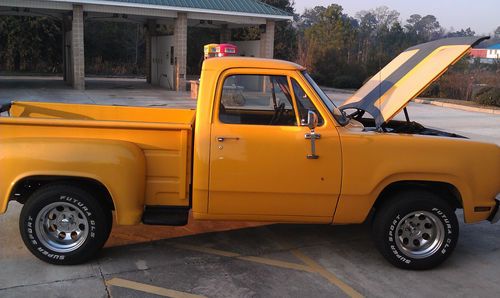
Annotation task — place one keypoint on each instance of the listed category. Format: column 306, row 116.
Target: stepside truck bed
column 164, row 136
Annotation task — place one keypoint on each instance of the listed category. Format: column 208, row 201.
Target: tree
column 461, row 33
column 114, row 47
column 310, row 17
column 375, row 27
column 381, row 17
column 431, row 28
column 285, row 37
column 497, row 32
column 328, row 43
column 423, row 29
column 413, row 23
column 23, row 40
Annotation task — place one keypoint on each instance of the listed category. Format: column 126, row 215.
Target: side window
column 304, row 103
column 256, row 100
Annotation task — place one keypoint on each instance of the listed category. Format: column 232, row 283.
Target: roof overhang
column 149, row 9
column 162, row 14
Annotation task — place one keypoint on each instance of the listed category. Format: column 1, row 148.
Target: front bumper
column 495, row 214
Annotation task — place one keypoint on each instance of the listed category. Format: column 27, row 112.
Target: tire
column 415, row 230
column 64, row 225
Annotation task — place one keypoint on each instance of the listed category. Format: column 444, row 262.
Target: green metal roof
column 241, row 6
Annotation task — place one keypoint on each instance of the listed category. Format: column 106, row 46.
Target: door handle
column 313, row 137
column 222, row 139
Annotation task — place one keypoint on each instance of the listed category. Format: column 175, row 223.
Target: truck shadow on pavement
column 296, row 260
column 259, row 261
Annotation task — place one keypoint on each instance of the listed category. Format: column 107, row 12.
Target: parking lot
column 229, row 259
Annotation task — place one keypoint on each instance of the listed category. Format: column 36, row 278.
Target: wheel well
column 446, row 191
column 25, row 187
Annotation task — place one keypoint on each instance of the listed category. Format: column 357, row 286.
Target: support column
column 77, row 48
column 151, row 31
column 180, row 51
column 267, row 41
column 225, row 34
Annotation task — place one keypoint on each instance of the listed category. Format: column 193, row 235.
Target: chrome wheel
column 61, row 227
column 419, row 234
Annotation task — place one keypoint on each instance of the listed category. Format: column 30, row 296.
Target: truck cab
column 257, row 147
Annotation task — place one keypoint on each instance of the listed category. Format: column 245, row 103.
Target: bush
column 489, row 96
column 99, row 66
column 346, row 82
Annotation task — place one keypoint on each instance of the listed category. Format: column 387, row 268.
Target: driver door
column 258, row 159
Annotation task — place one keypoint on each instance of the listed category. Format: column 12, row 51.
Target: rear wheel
column 416, row 230
column 62, row 224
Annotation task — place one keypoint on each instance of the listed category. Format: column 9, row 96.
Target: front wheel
column 62, row 224
column 416, row 230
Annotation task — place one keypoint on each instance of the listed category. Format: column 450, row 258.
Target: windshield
column 337, row 114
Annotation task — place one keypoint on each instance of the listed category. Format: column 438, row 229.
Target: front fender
column 354, row 208
column 372, row 161
column 118, row 165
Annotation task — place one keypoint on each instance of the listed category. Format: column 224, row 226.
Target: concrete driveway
column 228, row 259
column 275, row 260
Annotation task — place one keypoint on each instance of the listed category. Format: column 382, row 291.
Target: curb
column 458, row 107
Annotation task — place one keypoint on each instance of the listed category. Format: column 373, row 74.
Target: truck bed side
column 164, row 136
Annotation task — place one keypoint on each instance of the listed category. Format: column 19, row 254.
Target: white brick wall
column 267, row 41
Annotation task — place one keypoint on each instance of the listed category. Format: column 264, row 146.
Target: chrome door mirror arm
column 312, row 123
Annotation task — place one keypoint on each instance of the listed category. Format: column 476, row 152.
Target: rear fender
column 118, row 165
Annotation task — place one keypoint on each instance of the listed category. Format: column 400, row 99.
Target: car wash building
column 166, row 55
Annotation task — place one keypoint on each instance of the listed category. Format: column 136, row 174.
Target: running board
column 166, row 215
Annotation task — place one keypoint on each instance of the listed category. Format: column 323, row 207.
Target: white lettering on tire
column 394, row 250
column 32, row 237
column 443, row 250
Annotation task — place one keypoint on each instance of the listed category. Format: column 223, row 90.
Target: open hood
column 405, row 77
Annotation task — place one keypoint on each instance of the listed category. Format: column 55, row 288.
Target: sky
column 482, row 16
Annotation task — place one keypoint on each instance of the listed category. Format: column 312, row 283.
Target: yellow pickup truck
column 265, row 144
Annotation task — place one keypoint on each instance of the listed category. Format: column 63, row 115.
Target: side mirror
column 312, row 120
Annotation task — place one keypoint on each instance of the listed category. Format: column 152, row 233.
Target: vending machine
column 226, row 49
column 210, row 50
